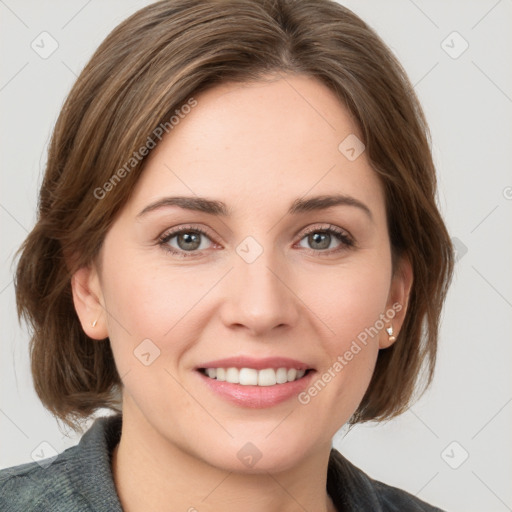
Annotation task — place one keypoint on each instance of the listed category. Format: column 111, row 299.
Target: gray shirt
column 80, row 480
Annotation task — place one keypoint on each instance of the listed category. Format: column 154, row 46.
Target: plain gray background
column 453, row 448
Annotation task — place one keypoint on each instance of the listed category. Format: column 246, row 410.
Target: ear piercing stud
column 94, row 323
column 390, row 332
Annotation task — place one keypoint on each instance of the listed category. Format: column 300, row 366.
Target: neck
column 152, row 474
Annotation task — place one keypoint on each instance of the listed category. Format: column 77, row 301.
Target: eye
column 186, row 241
column 321, row 239
column 189, row 241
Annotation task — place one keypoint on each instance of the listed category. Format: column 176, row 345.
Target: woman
column 238, row 251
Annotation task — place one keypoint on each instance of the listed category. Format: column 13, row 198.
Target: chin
column 258, row 456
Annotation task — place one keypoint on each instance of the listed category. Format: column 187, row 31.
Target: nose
column 260, row 298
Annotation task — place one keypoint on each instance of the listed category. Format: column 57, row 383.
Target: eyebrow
column 218, row 208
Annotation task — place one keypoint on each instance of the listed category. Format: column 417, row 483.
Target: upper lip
column 256, row 363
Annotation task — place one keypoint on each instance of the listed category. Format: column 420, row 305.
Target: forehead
column 258, row 144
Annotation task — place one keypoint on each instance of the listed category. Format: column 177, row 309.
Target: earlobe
column 398, row 302
column 88, row 301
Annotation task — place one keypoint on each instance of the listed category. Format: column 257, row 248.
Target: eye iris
column 324, row 239
column 190, row 241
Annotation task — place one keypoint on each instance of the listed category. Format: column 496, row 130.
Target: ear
column 398, row 301
column 89, row 303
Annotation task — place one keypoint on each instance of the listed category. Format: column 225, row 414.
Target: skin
column 257, row 147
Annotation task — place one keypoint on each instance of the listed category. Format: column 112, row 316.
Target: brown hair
column 140, row 75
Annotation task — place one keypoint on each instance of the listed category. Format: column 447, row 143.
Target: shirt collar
column 350, row 489
column 93, row 476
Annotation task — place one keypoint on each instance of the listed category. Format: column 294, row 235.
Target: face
column 267, row 279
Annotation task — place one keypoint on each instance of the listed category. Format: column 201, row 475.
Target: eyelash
column 346, row 241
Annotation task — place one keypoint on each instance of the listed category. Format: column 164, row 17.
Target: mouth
column 255, row 383
column 253, row 377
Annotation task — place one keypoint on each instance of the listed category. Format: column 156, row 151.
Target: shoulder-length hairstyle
column 145, row 71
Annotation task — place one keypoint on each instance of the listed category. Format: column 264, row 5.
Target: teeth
column 252, row 377
column 282, row 375
column 267, row 377
column 248, row 377
column 233, row 375
column 291, row 374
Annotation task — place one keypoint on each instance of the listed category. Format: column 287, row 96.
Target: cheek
column 145, row 302
column 352, row 301
column 352, row 304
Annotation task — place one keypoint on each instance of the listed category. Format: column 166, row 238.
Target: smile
column 253, row 377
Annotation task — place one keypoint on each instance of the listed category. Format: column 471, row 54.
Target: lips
column 255, row 383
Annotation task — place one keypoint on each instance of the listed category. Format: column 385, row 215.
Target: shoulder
column 393, row 499
column 42, row 486
column 77, row 480
column 354, row 490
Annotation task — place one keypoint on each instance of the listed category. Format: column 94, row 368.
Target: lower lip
column 257, row 397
